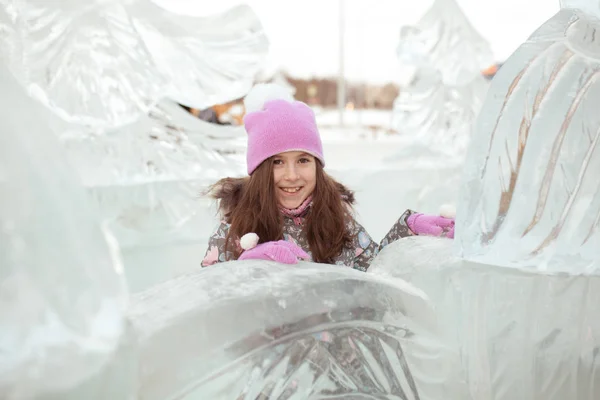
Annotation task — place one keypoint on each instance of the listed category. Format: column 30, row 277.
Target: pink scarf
column 298, row 212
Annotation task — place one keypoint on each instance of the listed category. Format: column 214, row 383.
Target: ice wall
column 531, row 192
column 517, row 290
column 256, row 329
column 113, row 72
column 441, row 59
column 62, row 292
column 520, row 334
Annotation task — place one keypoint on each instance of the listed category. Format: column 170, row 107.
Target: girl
column 288, row 203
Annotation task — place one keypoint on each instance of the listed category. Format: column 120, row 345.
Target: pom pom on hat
column 249, row 241
column 262, row 93
column 448, row 211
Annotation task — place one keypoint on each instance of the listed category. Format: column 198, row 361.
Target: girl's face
column 294, row 173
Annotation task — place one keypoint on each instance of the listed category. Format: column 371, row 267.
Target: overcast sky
column 304, row 34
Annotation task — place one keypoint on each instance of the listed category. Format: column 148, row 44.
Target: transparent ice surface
column 445, row 39
column 84, row 60
column 590, row 7
column 114, row 72
column 206, row 60
column 444, row 90
column 531, row 196
column 520, row 301
column 62, row 295
column 105, row 63
column 255, row 329
column 416, row 184
column 147, row 177
column 520, row 334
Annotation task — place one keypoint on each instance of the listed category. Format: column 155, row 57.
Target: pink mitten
column 431, row 225
column 281, row 251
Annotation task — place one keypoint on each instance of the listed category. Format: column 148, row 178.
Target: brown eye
column 304, row 160
column 277, row 162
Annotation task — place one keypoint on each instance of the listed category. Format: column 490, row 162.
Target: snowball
column 249, row 241
column 448, row 211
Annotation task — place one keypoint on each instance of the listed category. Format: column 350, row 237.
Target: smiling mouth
column 291, row 190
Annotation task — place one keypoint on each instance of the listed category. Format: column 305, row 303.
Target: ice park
column 334, row 199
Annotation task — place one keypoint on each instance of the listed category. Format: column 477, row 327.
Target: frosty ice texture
column 62, row 296
column 444, row 90
column 520, row 301
column 148, row 176
column 114, row 72
column 254, row 329
column 445, row 39
column 208, row 60
column 61, row 309
column 531, row 196
column 232, row 330
column 590, row 7
column 520, row 334
column 105, row 63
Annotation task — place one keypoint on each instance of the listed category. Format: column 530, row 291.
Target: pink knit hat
column 275, row 124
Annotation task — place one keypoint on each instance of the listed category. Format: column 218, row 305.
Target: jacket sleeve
column 216, row 247
column 398, row 231
column 365, row 249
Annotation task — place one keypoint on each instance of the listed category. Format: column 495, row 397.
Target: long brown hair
column 250, row 205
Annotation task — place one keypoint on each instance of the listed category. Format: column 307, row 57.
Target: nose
column 291, row 172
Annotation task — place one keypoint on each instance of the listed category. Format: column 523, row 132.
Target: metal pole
column 341, row 84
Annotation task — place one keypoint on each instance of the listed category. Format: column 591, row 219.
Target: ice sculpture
column 147, row 179
column 62, row 294
column 105, row 63
column 590, row 8
column 520, row 299
column 255, row 329
column 521, row 334
column 148, row 176
column 532, row 192
column 327, row 330
column 214, row 140
column 112, row 71
column 442, row 56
